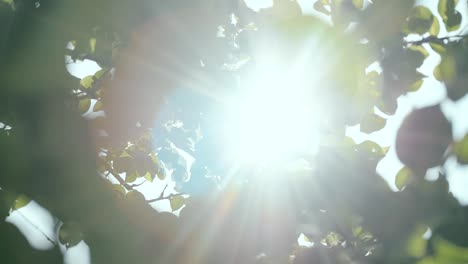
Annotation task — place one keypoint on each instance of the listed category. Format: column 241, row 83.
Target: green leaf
column 461, row 150
column 87, row 82
column 420, row 49
column 359, row 4
column 125, row 154
column 451, row 17
column 119, row 189
column 21, row 201
column 131, row 176
column 371, row 147
column 92, row 45
column 124, row 164
column 11, row 3
column 372, row 122
column 70, row 234
column 177, row 202
column 416, row 244
column 135, row 196
column 161, row 173
column 402, row 178
column 97, row 106
column 357, row 231
column 453, row 21
column 149, row 177
column 446, row 70
column 100, row 73
column 437, row 47
column 320, row 7
column 420, row 20
column 447, row 252
column 83, row 105
column 416, row 85
column 435, row 27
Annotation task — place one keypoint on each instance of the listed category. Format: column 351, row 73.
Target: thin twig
column 165, row 198
column 37, row 228
column 137, row 184
column 162, row 193
column 435, row 39
column 118, row 178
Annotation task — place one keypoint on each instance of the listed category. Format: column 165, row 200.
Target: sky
column 35, row 221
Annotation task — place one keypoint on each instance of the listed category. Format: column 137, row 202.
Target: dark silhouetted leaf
column 423, row 138
column 420, row 20
column 451, row 17
column 70, row 234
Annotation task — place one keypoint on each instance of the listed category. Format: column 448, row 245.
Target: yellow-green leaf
column 416, row 244
column 402, row 178
column 87, row 82
column 416, row 85
column 177, row 202
column 149, row 177
column 372, row 122
column 446, row 70
column 359, row 4
column 420, row 49
column 21, row 201
column 131, row 176
column 97, row 106
column 83, row 105
column 92, row 44
column 437, row 47
column 135, row 196
column 420, row 20
column 461, row 150
column 435, row 27
column 451, row 17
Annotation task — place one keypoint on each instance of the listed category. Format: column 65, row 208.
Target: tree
column 87, row 171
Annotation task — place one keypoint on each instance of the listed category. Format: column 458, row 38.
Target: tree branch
column 118, row 178
column 165, row 198
column 435, row 39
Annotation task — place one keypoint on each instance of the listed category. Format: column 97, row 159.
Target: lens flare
column 273, row 121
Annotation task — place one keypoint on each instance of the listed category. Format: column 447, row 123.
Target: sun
column 272, row 121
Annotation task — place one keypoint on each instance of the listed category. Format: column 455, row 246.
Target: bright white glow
column 256, row 5
column 273, row 121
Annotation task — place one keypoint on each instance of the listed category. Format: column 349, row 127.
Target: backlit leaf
column 83, row 105
column 451, row 17
column 21, row 201
column 87, row 82
column 402, row 178
column 446, row 70
column 435, row 27
column 359, row 4
column 177, row 202
column 461, row 150
column 97, row 106
column 420, row 20
column 372, row 122
column 416, row 85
